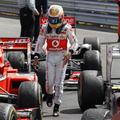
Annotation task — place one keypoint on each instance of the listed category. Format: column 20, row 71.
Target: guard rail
column 92, row 11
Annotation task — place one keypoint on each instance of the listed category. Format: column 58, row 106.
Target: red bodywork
column 10, row 78
column 75, row 76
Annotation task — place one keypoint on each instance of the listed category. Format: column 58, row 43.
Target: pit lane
column 69, row 108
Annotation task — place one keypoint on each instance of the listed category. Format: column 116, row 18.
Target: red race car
column 20, row 92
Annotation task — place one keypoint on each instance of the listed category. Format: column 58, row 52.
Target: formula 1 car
column 108, row 92
column 20, row 92
column 87, row 57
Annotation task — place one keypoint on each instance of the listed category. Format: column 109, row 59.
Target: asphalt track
column 69, row 109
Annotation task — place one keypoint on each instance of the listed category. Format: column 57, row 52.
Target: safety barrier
column 93, row 11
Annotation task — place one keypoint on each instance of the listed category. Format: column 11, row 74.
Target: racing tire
column 7, row 112
column 30, row 96
column 17, row 60
column 90, row 84
column 41, row 73
column 96, row 114
column 92, row 61
column 94, row 41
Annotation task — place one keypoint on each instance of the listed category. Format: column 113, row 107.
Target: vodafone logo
column 69, row 19
column 55, row 43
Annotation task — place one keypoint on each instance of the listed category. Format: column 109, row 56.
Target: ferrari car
column 20, row 92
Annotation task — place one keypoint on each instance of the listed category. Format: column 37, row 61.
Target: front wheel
column 94, row 41
column 17, row 60
column 90, row 84
column 7, row 112
column 92, row 60
column 96, row 114
column 30, row 96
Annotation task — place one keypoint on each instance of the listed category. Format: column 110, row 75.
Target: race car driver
column 61, row 42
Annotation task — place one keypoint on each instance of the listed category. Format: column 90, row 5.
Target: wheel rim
column 13, row 117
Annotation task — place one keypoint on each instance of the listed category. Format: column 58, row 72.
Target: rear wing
column 69, row 19
column 15, row 43
column 18, row 44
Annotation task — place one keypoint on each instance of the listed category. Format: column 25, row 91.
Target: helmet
column 55, row 16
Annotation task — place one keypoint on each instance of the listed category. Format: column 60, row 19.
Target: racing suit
column 57, row 46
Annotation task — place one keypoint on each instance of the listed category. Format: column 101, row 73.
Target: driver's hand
column 67, row 57
column 35, row 61
column 36, row 13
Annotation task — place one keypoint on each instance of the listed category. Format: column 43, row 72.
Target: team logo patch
column 55, row 43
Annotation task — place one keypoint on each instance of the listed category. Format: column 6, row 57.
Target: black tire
column 90, row 84
column 96, row 114
column 41, row 73
column 7, row 112
column 30, row 95
column 94, row 41
column 17, row 60
column 92, row 60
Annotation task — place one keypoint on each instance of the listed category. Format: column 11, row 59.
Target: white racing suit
column 56, row 47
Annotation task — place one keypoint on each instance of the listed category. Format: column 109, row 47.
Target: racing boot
column 56, row 110
column 49, row 100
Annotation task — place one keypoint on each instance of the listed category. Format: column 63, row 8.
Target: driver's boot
column 56, row 110
column 49, row 100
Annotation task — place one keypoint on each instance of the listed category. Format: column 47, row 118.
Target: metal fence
column 93, row 11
